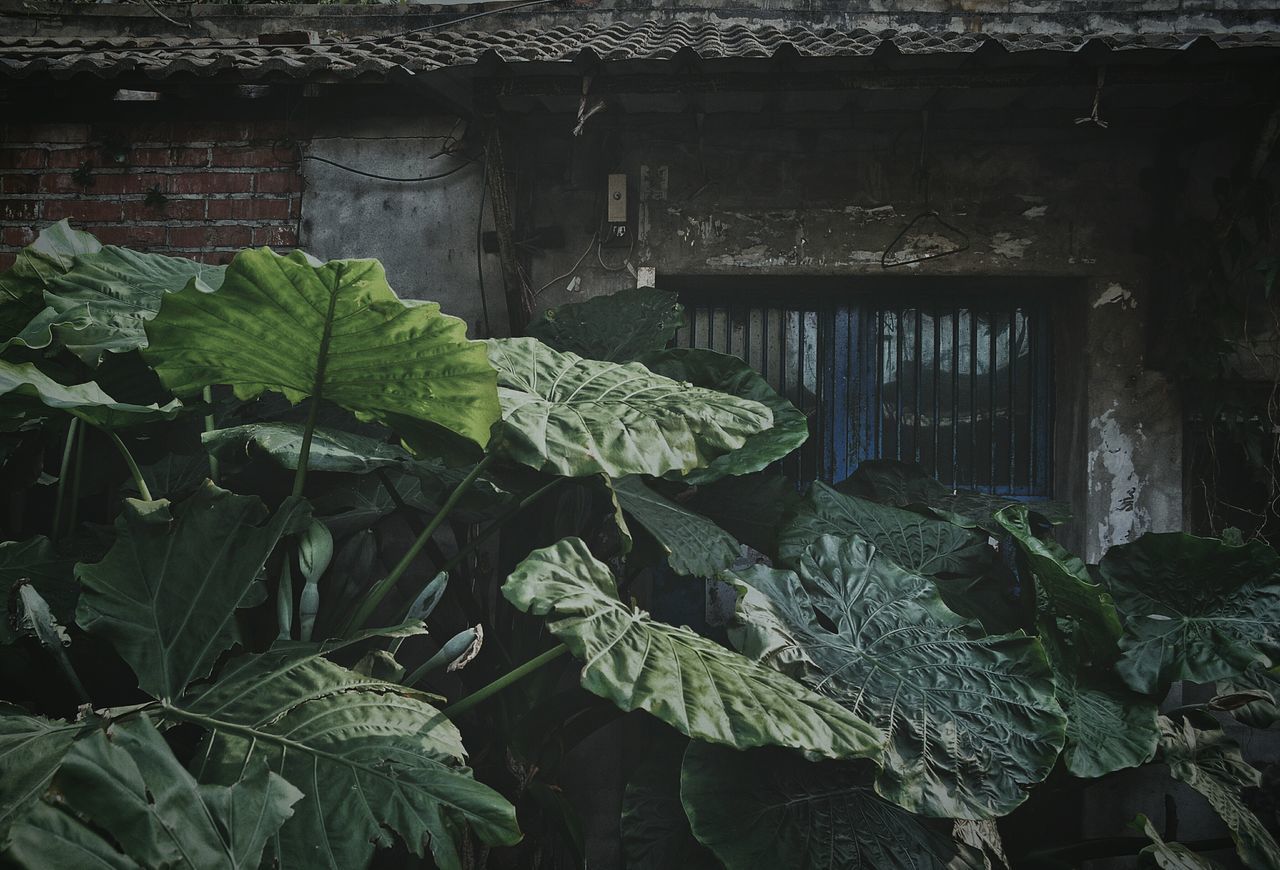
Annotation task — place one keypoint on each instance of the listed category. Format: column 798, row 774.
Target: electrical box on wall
column 617, row 230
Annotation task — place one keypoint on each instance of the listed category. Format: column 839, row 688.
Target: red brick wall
column 214, row 187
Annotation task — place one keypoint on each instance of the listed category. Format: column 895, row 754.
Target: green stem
column 209, row 425
column 63, row 472
column 133, row 466
column 505, row 680
column 386, row 584
column 317, row 390
column 77, row 472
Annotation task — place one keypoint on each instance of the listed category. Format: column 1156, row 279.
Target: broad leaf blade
column 573, row 416
column 698, row 687
column 1170, row 856
column 655, row 829
column 616, row 328
column 167, row 592
column 972, row 719
column 371, row 757
column 51, row 839
column 24, row 382
column 776, row 810
column 922, row 545
column 728, row 374
column 1193, row 608
column 695, row 546
column 1071, row 595
column 331, row 449
column 51, row 254
column 287, row 324
column 1260, row 713
column 1210, row 762
column 51, row 574
column 751, row 508
column 31, row 749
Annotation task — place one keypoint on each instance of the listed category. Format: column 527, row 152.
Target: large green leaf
column 1210, row 762
column 1193, row 608
column 655, row 829
column 23, row 382
column 728, row 374
column 616, row 328
column 770, row 809
column 972, row 719
column 51, row 574
column 575, row 416
column 919, row 544
column 167, row 592
column 331, row 449
column 1109, row 726
column 1082, row 607
column 751, row 508
column 698, row 687
column 48, row 838
column 695, row 546
column 31, row 748
column 300, row 328
column 22, row 285
column 1260, row 713
column 371, row 757
column 126, row 780
column 1169, row 856
column 102, row 303
column 908, row 485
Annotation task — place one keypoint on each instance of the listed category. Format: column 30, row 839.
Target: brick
column 101, row 183
column 6, row 260
column 72, row 158
column 210, row 131
column 17, row 237
column 209, row 237
column 52, row 133
column 19, row 209
column 275, row 237
column 278, row 182
column 23, row 158
column 268, row 131
column 130, row 236
column 217, row 258
column 170, row 210
column 209, row 182
column 19, row 183
column 254, row 155
column 173, row 156
column 256, row 209
column 81, row 210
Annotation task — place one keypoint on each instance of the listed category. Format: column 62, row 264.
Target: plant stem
column 505, row 680
column 63, row 472
column 77, row 471
column 209, row 425
column 386, row 584
column 317, row 390
column 133, row 466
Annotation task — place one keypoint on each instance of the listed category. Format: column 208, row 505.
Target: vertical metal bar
column 897, row 378
column 973, row 397
column 937, row 368
column 991, row 393
column 1013, row 368
column 955, row 397
column 878, row 411
column 915, row 420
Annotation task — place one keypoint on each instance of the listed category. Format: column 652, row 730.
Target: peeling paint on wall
column 1036, row 211
column 1115, row 294
column 1007, row 246
column 1112, row 474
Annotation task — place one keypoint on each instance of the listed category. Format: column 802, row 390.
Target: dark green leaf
column 922, row 545
column 167, row 592
column 1193, row 608
column 331, row 449
column 34, row 559
column 695, row 546
column 769, row 809
column 291, row 325
column 1169, row 856
column 25, row 382
column 972, row 719
column 31, row 748
column 573, row 416
column 616, row 328
column 751, row 508
column 728, row 374
column 1260, row 713
column 698, row 687
column 21, row 287
column 51, row 839
column 655, row 830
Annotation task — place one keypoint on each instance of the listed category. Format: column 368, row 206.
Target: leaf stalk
column 138, row 479
column 512, row 676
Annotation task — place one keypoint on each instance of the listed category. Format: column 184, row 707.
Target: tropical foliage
column 298, row 575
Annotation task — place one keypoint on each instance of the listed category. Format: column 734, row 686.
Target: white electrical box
column 616, row 204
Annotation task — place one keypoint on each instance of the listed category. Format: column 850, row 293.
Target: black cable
column 484, row 189
column 355, row 171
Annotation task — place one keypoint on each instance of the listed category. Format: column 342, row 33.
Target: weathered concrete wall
column 751, row 198
column 423, row 232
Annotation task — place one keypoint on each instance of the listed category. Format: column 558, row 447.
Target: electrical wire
column 353, row 170
column 484, row 189
column 594, row 238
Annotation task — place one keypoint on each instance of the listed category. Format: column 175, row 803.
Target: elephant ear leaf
column 728, row 374
column 23, row 383
column 698, row 687
column 1193, row 608
column 334, row 331
column 1070, row 594
column 167, row 591
column 773, row 809
column 126, row 780
column 22, row 285
column 331, row 449
column 922, row 545
column 371, row 757
column 972, row 719
column 655, row 828
column 695, row 546
column 1210, row 762
column 32, row 748
column 573, row 416
column 1169, row 856
column 615, row 328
